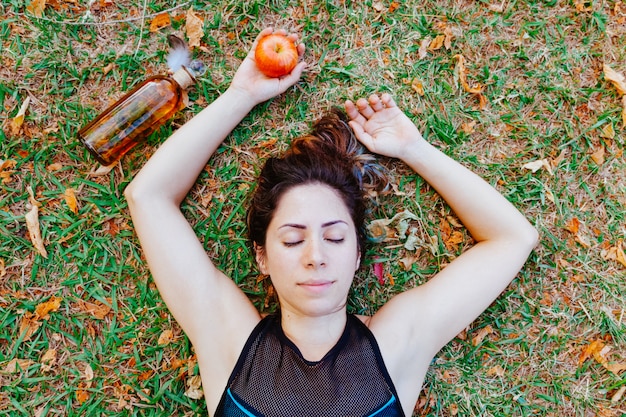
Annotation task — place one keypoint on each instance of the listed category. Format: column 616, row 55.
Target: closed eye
column 291, row 244
column 335, row 240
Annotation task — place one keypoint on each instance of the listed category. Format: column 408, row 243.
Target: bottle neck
column 184, row 78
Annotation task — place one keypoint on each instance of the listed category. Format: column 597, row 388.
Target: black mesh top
column 272, row 379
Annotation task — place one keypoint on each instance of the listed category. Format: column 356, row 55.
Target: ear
column 259, row 253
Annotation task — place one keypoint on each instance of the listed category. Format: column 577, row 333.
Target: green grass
column 541, row 65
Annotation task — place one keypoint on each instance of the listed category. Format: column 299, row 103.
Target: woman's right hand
column 255, row 85
column 381, row 126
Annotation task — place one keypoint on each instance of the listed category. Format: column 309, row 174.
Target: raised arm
column 433, row 313
column 210, row 308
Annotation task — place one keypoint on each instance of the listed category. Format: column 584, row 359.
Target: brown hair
column 329, row 155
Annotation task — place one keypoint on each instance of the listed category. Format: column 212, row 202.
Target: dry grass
column 541, row 66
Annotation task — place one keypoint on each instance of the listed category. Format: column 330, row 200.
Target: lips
column 316, row 285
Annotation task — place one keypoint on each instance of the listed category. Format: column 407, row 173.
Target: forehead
column 311, row 202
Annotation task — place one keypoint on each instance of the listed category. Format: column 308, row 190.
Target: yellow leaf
column 15, row 125
column 193, row 28
column 437, row 43
column 165, row 338
column 618, row 80
column 160, row 21
column 70, row 200
column 6, row 170
column 590, row 350
column 608, row 131
column 43, row 309
column 36, row 7
column 417, row 86
column 615, row 253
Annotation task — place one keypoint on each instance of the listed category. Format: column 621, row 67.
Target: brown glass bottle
column 135, row 116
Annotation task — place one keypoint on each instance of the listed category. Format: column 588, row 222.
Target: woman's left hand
column 251, row 82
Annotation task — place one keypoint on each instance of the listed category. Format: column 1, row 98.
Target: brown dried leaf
column 468, row 127
column 437, row 43
column 418, row 87
column 590, row 350
column 70, row 199
column 423, row 49
column 482, row 333
column 34, row 232
column 617, row 79
column 28, row 325
column 160, row 21
column 48, row 360
column 615, row 253
column 15, row 125
column 608, row 131
column 534, row 166
column 16, row 365
column 449, row 35
column 598, row 155
column 44, row 309
column 194, row 28
column 97, row 310
column 573, row 225
column 477, row 89
column 165, row 338
column 36, row 7
column 6, row 170
column 194, row 388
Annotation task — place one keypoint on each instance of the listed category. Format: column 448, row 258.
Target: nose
column 314, row 255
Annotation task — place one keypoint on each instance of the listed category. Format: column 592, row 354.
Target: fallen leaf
column 82, row 395
column 32, row 224
column 378, row 6
column 449, row 35
column 590, row 350
column 194, row 388
column 43, row 310
column 618, row 394
column 437, row 43
column 617, row 79
column 573, row 225
column 107, row 68
column 496, row 371
column 15, row 125
column 6, row 170
column 615, row 253
column 413, row 242
column 3, row 270
column 581, row 6
column 534, row 166
column 165, row 338
column 477, row 89
column 28, row 326
column 160, row 21
column 36, row 7
column 418, row 87
column 379, row 230
column 423, row 49
column 608, row 131
column 393, row 6
column 70, row 199
column 378, row 271
column 48, row 360
column 468, row 127
column 598, row 155
column 194, row 28
column 482, row 333
column 98, row 311
column 408, row 261
column 16, row 365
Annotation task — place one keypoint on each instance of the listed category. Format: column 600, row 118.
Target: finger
column 364, row 108
column 353, row 112
column 301, row 48
column 262, row 34
column 376, row 103
column 293, row 77
column 388, row 100
column 361, row 134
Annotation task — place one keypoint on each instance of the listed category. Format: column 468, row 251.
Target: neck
column 314, row 336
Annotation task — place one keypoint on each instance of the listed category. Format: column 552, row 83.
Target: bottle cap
column 184, row 77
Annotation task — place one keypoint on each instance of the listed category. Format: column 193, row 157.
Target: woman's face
column 311, row 251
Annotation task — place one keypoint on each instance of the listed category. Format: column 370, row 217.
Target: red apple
column 276, row 55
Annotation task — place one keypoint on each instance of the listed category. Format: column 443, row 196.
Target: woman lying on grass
column 306, row 224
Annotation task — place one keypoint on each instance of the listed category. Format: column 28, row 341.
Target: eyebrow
column 301, row 226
